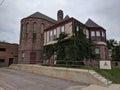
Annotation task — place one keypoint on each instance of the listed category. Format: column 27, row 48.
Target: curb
column 76, row 88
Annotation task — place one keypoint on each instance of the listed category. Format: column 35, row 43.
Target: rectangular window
column 54, row 34
column 22, row 55
column 3, row 49
column 92, row 33
column 62, row 29
column 51, row 35
column 103, row 34
column 2, row 60
column 77, row 28
column 97, row 51
column 97, row 33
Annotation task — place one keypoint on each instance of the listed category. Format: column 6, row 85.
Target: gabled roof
column 40, row 15
column 91, row 23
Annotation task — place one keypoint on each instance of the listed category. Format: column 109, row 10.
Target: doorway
column 10, row 61
column 32, row 57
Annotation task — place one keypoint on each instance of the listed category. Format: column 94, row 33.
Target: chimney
column 60, row 15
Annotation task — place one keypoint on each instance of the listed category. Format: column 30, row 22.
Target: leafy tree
column 60, row 46
column 111, row 43
column 115, row 47
column 49, row 51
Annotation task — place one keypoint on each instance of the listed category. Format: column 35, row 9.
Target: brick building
column 32, row 36
column 39, row 30
column 8, row 54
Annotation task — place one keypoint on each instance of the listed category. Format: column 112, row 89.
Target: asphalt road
column 19, row 80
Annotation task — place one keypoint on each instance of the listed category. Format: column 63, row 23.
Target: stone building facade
column 8, row 54
column 39, row 30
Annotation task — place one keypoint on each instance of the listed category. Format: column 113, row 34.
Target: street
column 19, row 80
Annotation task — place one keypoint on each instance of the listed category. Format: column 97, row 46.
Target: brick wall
column 27, row 45
column 8, row 52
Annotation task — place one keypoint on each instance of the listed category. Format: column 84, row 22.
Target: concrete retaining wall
column 78, row 75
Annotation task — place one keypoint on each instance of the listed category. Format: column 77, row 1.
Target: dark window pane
column 2, row 60
column 2, row 49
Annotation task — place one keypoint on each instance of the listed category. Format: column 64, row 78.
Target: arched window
column 27, row 28
column 34, row 27
column 42, row 28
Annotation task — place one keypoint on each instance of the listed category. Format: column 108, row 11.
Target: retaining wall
column 78, row 75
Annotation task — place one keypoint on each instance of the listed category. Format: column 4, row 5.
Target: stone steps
column 100, row 77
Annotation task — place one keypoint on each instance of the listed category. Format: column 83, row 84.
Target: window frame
column 77, row 28
column 34, row 27
column 54, row 34
column 92, row 34
column 103, row 34
column 97, row 52
column 2, row 49
column 62, row 29
column 42, row 28
column 98, row 34
column 50, row 35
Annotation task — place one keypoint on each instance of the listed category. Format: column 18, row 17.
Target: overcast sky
column 105, row 13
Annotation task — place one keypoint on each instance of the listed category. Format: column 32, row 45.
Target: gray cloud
column 104, row 12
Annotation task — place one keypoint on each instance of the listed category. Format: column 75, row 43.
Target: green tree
column 115, row 47
column 111, row 43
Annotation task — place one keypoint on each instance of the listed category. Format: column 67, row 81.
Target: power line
column 2, row 2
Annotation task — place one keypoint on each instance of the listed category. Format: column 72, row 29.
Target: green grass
column 113, row 74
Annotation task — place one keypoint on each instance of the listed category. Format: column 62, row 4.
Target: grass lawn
column 113, row 74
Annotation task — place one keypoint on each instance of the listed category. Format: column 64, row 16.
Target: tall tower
column 32, row 38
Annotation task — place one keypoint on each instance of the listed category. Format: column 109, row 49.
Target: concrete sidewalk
column 1, row 88
column 96, row 87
